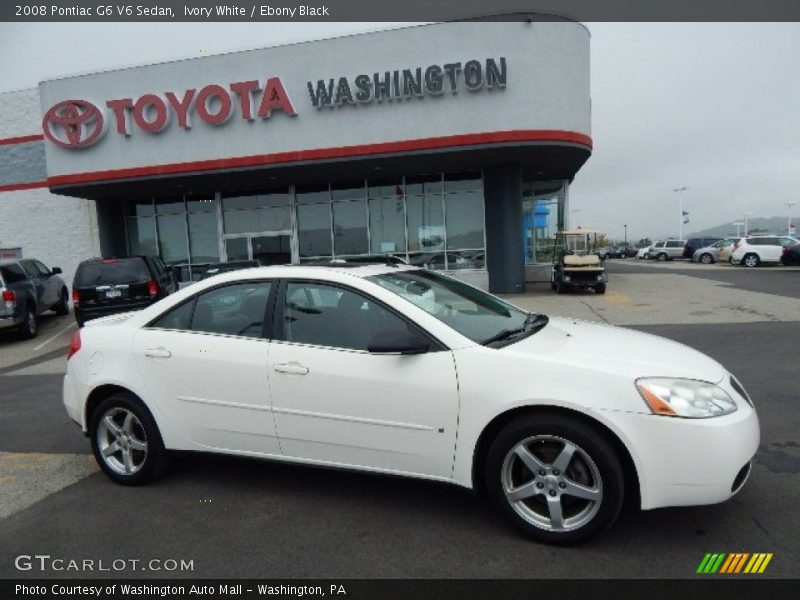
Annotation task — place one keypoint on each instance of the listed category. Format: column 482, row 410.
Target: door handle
column 158, row 352
column 291, row 368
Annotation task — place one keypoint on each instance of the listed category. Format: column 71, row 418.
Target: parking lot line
column 50, row 339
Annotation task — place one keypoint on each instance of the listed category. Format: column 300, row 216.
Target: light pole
column 626, row 235
column 738, row 226
column 680, row 191
column 573, row 212
column 747, row 215
column 789, row 206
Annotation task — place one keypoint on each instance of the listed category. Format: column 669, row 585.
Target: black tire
column 544, row 434
column 30, row 324
column 148, row 464
column 751, row 258
column 661, row 257
column 62, row 308
column 600, row 289
column 706, row 258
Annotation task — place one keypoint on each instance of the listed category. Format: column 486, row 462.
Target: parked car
column 403, row 371
column 693, row 244
column 711, row 254
column 668, row 250
column 629, row 251
column 756, row 250
column 791, row 255
column 603, row 252
column 106, row 286
column 27, row 289
column 226, row 267
column 643, row 253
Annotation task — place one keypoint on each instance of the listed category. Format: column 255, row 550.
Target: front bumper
column 686, row 462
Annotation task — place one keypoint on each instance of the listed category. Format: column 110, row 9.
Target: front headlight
column 685, row 397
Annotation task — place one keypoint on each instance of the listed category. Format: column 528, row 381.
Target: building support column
column 505, row 261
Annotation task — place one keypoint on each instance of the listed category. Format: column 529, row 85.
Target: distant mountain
column 756, row 225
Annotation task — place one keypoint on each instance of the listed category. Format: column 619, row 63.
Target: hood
column 617, row 350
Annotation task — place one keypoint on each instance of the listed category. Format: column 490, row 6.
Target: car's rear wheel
column 30, row 324
column 125, row 440
column 558, row 480
column 751, row 260
column 706, row 259
column 62, row 308
column 662, row 257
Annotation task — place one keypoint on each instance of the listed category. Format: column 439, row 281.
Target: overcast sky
column 715, row 107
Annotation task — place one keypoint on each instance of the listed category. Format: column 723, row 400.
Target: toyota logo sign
column 73, row 124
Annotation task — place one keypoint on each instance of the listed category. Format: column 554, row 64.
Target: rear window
column 675, row 244
column 109, row 272
column 12, row 274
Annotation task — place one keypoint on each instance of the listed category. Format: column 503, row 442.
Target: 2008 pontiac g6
column 398, row 370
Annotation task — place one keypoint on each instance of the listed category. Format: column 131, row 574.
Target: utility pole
column 789, row 206
column 738, row 226
column 626, row 235
column 680, row 191
column 746, row 228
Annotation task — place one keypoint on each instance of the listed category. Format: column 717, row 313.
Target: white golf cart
column 575, row 264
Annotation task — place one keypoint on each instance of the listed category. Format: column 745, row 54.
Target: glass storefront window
column 203, row 236
column 463, row 182
column 348, row 191
column 425, row 223
column 314, row 229
column 385, row 188
column 172, row 238
column 424, row 184
column 141, row 235
column 236, row 249
column 543, row 207
column 350, row 227
column 275, row 198
column 170, row 206
column 387, row 225
column 201, row 204
column 257, row 220
column 464, row 220
column 312, row 194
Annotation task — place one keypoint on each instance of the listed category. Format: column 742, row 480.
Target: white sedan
column 400, row 370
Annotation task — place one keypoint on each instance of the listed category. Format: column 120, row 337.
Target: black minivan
column 105, row 286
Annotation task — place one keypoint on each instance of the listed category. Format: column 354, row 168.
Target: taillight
column 74, row 344
column 786, row 250
column 76, row 297
column 9, row 296
column 152, row 288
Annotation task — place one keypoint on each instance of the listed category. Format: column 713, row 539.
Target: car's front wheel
column 125, row 440
column 557, row 479
column 706, row 259
column 661, row 257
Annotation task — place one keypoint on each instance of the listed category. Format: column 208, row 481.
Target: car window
column 675, row 244
column 237, row 309
column 30, row 268
column 111, row 271
column 12, row 273
column 327, row 315
column 43, row 270
column 787, row 242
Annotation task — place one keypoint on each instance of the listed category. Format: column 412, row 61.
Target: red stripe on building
column 23, row 186
column 450, row 141
column 21, row 139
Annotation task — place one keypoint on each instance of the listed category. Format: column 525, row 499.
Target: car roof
column 311, row 271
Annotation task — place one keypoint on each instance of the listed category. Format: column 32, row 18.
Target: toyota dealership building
column 450, row 145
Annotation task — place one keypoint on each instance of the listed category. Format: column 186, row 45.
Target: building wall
column 58, row 230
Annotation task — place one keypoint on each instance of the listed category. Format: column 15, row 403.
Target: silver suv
column 667, row 250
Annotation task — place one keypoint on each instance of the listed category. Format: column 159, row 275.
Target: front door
column 267, row 248
column 336, row 403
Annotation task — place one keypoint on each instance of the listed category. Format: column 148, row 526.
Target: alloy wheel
column 122, row 441
column 751, row 260
column 552, row 483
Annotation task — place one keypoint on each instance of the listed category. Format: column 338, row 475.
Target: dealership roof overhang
column 540, row 160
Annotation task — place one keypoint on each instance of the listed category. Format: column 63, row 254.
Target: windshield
column 474, row 314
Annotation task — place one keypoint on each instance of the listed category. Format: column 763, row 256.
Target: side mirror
column 56, row 270
column 397, row 341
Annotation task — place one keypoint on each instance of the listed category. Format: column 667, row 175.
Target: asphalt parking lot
column 243, row 518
